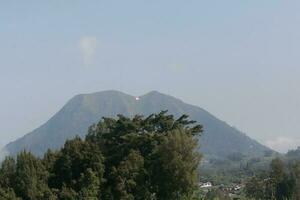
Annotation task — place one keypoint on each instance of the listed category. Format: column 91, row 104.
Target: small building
column 237, row 187
column 205, row 185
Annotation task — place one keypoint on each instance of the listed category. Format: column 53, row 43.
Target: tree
column 67, row 194
column 7, row 172
column 124, row 158
column 143, row 139
column 295, row 170
column 129, row 178
column 255, row 188
column 282, row 183
column 8, row 194
column 277, row 170
column 90, row 183
column 31, row 178
column 177, row 165
column 79, row 167
column 279, row 184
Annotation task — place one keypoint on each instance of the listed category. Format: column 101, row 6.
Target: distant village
column 231, row 191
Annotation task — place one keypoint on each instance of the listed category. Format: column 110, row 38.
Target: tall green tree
column 295, row 170
column 178, row 163
column 7, row 172
column 279, row 184
column 119, row 138
column 283, row 184
column 90, row 185
column 129, row 178
column 31, row 178
column 256, row 188
column 79, row 166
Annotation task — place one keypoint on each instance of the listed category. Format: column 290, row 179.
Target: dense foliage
column 139, row 158
column 282, row 182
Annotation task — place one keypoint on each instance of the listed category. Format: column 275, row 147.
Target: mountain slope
column 218, row 140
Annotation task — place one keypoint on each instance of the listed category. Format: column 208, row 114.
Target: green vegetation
column 139, row 158
column 281, row 182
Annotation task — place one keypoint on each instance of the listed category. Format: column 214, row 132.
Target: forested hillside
column 121, row 158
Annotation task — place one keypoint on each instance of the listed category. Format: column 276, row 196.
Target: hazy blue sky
column 237, row 59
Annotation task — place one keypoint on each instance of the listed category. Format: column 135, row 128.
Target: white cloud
column 88, row 47
column 283, row 144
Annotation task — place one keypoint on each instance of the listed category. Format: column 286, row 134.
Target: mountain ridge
column 219, row 139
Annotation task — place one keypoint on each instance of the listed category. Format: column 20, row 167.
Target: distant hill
column 218, row 140
column 293, row 155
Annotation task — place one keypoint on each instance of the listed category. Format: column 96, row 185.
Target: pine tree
column 7, row 172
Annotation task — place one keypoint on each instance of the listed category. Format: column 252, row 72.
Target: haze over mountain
column 218, row 140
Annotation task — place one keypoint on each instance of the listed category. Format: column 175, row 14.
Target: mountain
column 218, row 140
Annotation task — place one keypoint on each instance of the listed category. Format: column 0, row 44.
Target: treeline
column 140, row 158
column 281, row 182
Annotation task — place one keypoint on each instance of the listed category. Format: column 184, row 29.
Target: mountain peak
column 104, row 93
column 153, row 92
column 83, row 110
column 158, row 95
